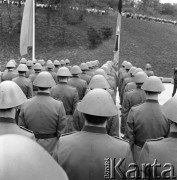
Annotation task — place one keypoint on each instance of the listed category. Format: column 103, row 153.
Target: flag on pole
column 26, row 36
column 118, row 28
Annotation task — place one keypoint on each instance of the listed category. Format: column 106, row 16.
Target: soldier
column 50, row 68
column 29, row 64
column 87, row 150
column 11, row 96
column 32, row 77
column 146, row 121
column 67, row 62
column 62, row 62
column 57, row 65
column 132, row 98
column 23, row 61
column 148, row 70
column 24, row 83
column 163, row 150
column 10, row 73
column 175, row 81
column 67, row 94
column 83, row 75
column 44, row 115
column 90, row 71
column 75, row 81
column 23, row 159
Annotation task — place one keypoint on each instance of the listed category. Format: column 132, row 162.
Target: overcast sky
column 168, row 1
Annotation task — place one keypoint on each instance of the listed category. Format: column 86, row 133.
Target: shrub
column 106, row 32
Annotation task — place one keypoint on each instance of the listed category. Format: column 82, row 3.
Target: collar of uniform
column 62, row 82
column 7, row 120
column 94, row 129
column 152, row 100
column 173, row 135
column 43, row 93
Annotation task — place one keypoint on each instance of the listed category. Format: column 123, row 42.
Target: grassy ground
column 141, row 42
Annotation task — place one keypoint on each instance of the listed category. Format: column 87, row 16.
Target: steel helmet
column 140, row 77
column 132, row 69
column 22, row 67
column 153, row 84
column 41, row 61
column 106, row 69
column 12, row 60
column 44, row 79
column 148, row 66
column 50, row 65
column 29, row 63
column 89, row 64
column 37, row 66
column 67, row 61
column 97, row 62
column 23, row 61
column 124, row 63
column 98, row 81
column 62, row 62
column 10, row 64
column 11, row 95
column 64, row 72
column 57, row 63
column 128, row 66
column 169, row 109
column 136, row 71
column 34, row 61
column 49, row 61
column 98, row 102
column 102, row 72
column 84, row 67
column 75, row 70
column 19, row 153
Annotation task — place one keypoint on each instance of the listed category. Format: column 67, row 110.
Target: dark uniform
column 145, row 121
column 83, row 154
column 175, row 81
column 46, row 117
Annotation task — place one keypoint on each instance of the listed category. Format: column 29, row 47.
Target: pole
column 33, row 48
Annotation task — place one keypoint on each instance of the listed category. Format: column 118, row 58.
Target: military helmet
column 98, row 102
column 136, row 71
column 153, row 84
column 89, row 64
column 29, row 63
column 132, row 69
column 128, row 66
column 62, row 62
column 124, row 63
column 106, row 69
column 67, row 61
column 19, row 153
column 57, row 63
column 12, row 60
column 75, row 70
column 169, row 109
column 84, row 67
column 41, row 61
column 64, row 72
column 11, row 95
column 98, row 81
column 140, row 77
column 37, row 66
column 23, row 61
column 22, row 67
column 148, row 66
column 10, row 64
column 44, row 79
column 34, row 61
column 50, row 65
column 102, row 72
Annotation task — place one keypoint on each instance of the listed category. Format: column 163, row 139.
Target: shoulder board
column 68, row 133
column 26, row 129
column 155, row 139
column 121, row 139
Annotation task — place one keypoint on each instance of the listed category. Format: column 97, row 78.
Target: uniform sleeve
column 77, row 121
column 129, row 128
column 113, row 126
column 30, row 90
column 61, row 129
column 125, row 107
column 21, row 121
column 75, row 101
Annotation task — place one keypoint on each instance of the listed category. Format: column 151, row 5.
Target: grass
column 141, row 42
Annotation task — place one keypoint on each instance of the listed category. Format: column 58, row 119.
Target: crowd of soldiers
column 148, row 18
column 70, row 115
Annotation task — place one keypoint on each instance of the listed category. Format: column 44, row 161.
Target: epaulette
column 26, row 129
column 68, row 133
column 155, row 139
column 121, row 139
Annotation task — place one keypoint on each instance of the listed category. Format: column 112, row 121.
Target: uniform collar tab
column 152, row 101
column 94, row 129
column 7, row 120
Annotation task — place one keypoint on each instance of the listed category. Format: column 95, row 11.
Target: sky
column 168, row 1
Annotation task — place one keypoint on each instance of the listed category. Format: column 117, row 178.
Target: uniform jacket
column 163, row 150
column 145, row 121
column 9, row 126
column 85, row 77
column 130, row 86
column 32, row 77
column 54, row 75
column 31, row 71
column 79, row 84
column 149, row 73
column 90, row 73
column 44, row 115
column 25, row 85
column 9, row 75
column 112, row 126
column 67, row 94
column 83, row 154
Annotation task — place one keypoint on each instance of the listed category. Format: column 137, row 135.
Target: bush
column 94, row 37
column 106, row 32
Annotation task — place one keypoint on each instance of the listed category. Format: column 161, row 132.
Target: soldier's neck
column 100, row 125
column 154, row 97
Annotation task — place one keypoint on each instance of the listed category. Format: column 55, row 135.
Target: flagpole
column 33, row 48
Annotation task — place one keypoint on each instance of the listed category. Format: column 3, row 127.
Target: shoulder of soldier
column 158, row 139
column 25, row 129
column 66, row 134
column 121, row 139
column 136, row 107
